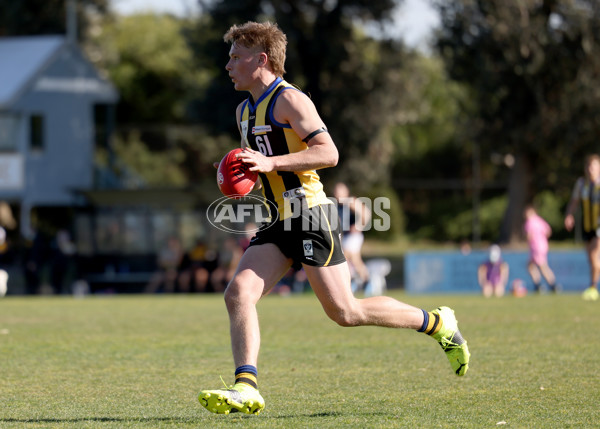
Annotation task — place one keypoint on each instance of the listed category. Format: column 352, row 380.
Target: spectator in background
column 169, row 260
column 353, row 215
column 63, row 262
column 193, row 271
column 7, row 250
column 229, row 257
column 587, row 192
column 3, row 262
column 493, row 274
column 537, row 232
column 37, row 255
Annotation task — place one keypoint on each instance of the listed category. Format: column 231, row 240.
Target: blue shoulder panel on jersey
column 265, row 94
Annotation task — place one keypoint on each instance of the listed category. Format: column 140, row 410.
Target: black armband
column 314, row 133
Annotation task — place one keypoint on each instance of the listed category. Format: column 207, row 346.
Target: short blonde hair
column 265, row 36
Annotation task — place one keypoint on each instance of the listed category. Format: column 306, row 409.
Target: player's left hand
column 256, row 160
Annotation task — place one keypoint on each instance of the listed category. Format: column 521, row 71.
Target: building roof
column 22, row 59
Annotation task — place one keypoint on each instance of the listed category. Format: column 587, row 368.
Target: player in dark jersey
column 286, row 142
column 353, row 215
column 587, row 192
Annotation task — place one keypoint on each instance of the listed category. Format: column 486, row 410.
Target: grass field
column 139, row 362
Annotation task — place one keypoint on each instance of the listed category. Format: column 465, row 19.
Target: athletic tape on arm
column 314, row 133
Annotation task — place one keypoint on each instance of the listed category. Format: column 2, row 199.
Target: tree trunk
column 519, row 190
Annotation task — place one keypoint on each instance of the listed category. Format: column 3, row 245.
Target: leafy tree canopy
column 150, row 62
column 33, row 17
column 532, row 68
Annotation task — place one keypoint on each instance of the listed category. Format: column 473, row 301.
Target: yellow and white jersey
column 589, row 195
column 264, row 134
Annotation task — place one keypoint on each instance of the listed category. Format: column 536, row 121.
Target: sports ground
column 139, row 362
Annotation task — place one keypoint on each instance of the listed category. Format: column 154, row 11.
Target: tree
column 148, row 59
column 533, row 68
column 433, row 149
column 34, row 17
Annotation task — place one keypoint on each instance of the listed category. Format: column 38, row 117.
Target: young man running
column 286, row 141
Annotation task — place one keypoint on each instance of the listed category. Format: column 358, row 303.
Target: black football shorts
column 311, row 238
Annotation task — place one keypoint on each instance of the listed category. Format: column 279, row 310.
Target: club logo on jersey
column 261, row 129
column 308, row 247
column 244, row 127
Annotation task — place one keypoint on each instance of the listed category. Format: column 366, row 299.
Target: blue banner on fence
column 451, row 272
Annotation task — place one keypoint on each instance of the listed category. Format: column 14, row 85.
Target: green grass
column 139, row 362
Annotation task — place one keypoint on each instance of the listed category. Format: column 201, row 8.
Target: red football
column 234, row 177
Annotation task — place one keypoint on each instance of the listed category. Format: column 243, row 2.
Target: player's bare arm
column 296, row 109
column 569, row 218
column 572, row 206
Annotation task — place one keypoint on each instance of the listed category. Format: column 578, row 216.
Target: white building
column 51, row 102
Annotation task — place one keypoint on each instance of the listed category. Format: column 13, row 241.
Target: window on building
column 164, row 226
column 191, row 228
column 108, row 232
column 36, row 132
column 103, row 124
column 84, row 234
column 136, row 238
column 8, row 131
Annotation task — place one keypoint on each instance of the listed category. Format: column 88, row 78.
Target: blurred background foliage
column 500, row 112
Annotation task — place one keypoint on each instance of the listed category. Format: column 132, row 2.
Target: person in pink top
column 538, row 231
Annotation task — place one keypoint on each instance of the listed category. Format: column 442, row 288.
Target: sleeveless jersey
column 589, row 194
column 264, row 134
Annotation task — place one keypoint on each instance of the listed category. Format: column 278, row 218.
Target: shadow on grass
column 329, row 414
column 181, row 419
